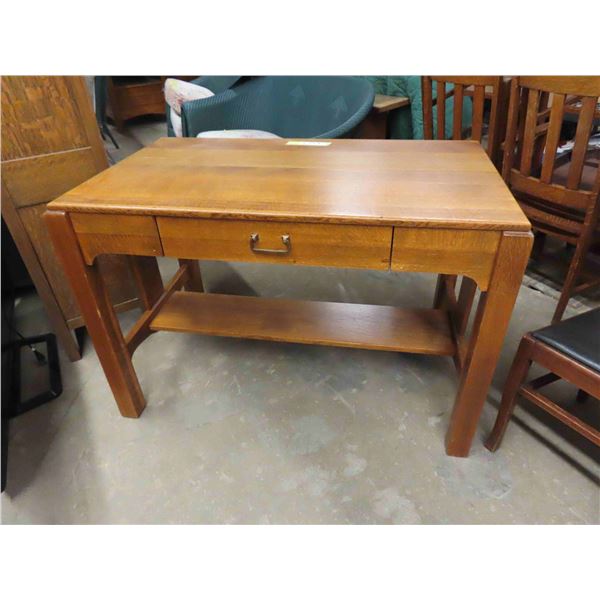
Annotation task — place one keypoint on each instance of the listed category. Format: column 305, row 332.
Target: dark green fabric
column 399, row 120
column 407, row 122
column 302, row 107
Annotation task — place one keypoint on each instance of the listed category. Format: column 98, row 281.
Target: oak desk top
column 445, row 184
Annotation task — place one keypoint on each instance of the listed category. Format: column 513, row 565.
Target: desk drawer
column 450, row 251
column 260, row 241
column 115, row 234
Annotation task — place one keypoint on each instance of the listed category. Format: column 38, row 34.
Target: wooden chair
column 479, row 88
column 568, row 212
column 569, row 350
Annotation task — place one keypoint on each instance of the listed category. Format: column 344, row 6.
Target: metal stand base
column 14, row 405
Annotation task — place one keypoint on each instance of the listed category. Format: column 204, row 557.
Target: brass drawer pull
column 287, row 242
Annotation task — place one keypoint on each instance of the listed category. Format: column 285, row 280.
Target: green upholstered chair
column 300, row 107
column 218, row 83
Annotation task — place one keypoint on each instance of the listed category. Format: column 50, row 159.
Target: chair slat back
column 441, row 110
column 427, row 100
column 457, row 115
column 582, row 137
column 535, row 118
column 553, row 138
column 475, row 86
column 529, row 134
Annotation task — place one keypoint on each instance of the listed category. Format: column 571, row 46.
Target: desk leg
column 147, row 278
column 491, row 322
column 98, row 314
column 195, row 281
column 443, row 281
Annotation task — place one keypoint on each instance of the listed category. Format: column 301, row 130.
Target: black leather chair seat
column 577, row 338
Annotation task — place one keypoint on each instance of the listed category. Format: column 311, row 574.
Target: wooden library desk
column 423, row 206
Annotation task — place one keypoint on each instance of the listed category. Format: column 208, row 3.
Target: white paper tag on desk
column 306, row 143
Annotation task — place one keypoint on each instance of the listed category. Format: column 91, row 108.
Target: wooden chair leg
column 538, row 245
column 575, row 267
column 516, row 376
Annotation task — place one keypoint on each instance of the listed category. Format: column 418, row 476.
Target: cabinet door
column 50, row 144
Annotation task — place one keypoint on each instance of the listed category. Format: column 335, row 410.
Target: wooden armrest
column 383, row 103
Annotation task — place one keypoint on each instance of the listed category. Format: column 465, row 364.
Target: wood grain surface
column 470, row 253
column 348, row 246
column 116, row 234
column 306, row 322
column 449, row 184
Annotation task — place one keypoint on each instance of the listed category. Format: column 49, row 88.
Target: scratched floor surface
column 240, row 431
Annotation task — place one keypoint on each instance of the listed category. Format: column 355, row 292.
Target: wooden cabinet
column 50, row 143
column 135, row 96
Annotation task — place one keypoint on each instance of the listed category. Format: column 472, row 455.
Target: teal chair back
column 289, row 106
column 217, row 83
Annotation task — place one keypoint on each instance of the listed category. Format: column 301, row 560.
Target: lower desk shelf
column 420, row 331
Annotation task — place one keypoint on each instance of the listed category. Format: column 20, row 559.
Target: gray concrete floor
column 240, row 431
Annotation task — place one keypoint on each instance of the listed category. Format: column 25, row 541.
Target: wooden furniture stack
column 565, row 210
column 524, row 144
column 51, row 143
column 479, row 88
